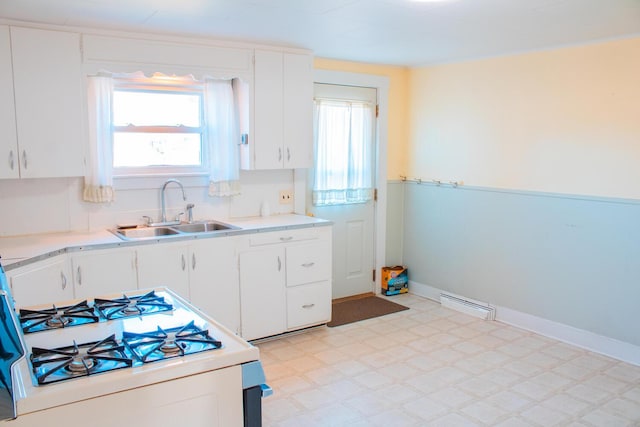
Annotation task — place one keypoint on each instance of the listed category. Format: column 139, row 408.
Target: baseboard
column 616, row 349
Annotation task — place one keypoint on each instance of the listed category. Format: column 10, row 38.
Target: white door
column 352, row 209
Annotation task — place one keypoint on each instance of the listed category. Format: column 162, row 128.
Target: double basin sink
column 182, row 229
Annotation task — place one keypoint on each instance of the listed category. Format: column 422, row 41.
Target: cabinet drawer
column 309, row 304
column 308, row 263
column 285, row 236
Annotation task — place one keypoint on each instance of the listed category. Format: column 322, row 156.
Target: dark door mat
column 354, row 310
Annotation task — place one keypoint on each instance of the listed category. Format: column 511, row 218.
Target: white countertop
column 20, row 248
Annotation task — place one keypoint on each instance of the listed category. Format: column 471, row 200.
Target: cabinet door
column 108, row 272
column 48, row 102
column 165, row 264
column 8, row 139
column 262, row 293
column 298, row 111
column 45, row 282
column 268, row 122
column 214, row 281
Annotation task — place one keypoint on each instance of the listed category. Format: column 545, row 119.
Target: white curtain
column 98, row 181
column 343, row 151
column 223, row 135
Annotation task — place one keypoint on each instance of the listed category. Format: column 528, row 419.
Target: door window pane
column 343, row 143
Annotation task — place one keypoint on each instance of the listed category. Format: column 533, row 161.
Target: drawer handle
column 286, row 239
column 308, row 264
column 308, row 306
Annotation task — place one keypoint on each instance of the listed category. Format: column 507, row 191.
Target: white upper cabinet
column 298, row 111
column 48, row 102
column 282, row 112
column 8, row 139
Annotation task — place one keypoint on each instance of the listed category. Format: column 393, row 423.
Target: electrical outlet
column 286, row 197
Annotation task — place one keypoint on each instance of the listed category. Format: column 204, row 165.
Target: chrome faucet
column 162, row 197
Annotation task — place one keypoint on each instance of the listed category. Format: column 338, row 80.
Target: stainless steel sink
column 203, row 227
column 154, row 232
column 145, row 232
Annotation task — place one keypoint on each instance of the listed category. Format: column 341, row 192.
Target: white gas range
column 144, row 356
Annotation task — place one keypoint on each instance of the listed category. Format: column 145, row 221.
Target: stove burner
column 81, row 364
column 131, row 306
column 162, row 344
column 59, row 364
column 54, row 318
column 171, row 347
column 58, row 320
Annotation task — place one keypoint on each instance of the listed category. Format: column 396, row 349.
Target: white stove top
column 33, row 397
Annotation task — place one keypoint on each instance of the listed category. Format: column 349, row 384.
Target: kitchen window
column 163, row 126
column 158, row 129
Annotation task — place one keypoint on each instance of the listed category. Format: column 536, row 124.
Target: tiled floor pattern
column 431, row 366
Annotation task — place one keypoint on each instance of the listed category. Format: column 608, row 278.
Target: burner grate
column 163, row 344
column 54, row 318
column 58, row 364
column 118, row 308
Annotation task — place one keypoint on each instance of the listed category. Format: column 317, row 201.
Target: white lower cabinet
column 203, row 271
column 164, row 265
column 213, row 279
column 262, row 292
column 257, row 285
column 42, row 283
column 285, row 281
column 104, row 272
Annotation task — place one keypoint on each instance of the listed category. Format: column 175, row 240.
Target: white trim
column 381, row 83
column 610, row 347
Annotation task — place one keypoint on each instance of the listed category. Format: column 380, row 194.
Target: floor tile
column 432, row 366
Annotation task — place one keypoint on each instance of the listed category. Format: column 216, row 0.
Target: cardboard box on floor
column 395, row 280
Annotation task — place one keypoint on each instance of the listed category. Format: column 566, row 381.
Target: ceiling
column 395, row 32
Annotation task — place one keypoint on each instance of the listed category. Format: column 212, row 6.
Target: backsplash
column 55, row 205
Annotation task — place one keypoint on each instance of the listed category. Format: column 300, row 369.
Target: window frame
column 159, row 85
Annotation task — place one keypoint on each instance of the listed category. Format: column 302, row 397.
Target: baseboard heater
column 472, row 308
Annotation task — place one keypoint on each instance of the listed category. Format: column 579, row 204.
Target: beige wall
column 398, row 107
column 566, row 121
